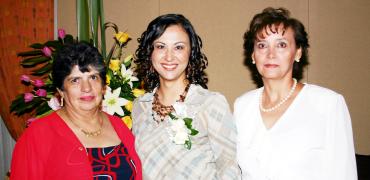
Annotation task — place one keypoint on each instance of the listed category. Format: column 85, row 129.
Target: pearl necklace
column 281, row 102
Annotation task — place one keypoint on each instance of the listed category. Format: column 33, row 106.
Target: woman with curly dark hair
column 287, row 129
column 183, row 131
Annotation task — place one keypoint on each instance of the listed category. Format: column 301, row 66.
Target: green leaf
column 129, row 97
column 94, row 19
column 30, row 53
column 34, row 61
column 24, row 107
column 37, row 46
column 110, row 72
column 172, row 116
column 188, row 122
column 188, row 145
column 43, row 70
column 42, row 108
column 193, row 132
column 54, row 44
column 135, row 84
column 128, row 63
column 102, row 29
column 83, row 21
column 68, row 39
column 18, row 101
column 109, row 56
column 45, row 113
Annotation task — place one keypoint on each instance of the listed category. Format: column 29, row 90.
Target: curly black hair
column 266, row 19
column 197, row 62
column 80, row 54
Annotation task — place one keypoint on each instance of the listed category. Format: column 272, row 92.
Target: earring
column 297, row 60
column 61, row 101
column 253, row 62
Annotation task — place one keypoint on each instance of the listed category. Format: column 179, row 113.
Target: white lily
column 112, row 103
column 127, row 74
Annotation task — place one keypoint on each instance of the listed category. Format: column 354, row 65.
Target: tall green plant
column 90, row 21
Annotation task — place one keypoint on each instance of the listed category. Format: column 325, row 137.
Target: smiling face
column 171, row 54
column 82, row 91
column 275, row 51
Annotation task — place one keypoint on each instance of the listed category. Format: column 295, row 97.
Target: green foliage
column 41, row 65
column 90, row 17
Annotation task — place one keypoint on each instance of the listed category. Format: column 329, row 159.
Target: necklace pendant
column 91, row 134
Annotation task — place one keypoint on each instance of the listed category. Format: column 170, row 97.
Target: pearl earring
column 253, row 62
column 297, row 60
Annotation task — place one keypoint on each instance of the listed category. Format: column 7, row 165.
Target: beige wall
column 338, row 30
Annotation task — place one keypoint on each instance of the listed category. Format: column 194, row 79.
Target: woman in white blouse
column 288, row 130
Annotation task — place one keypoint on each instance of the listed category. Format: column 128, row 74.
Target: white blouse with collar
column 312, row 140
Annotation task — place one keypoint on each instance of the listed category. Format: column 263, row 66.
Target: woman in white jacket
column 289, row 130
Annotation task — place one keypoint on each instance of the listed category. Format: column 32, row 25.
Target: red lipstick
column 87, row 98
column 271, row 65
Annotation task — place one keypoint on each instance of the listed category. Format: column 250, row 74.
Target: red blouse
column 48, row 149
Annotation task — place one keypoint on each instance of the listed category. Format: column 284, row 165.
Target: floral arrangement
column 122, row 86
column 181, row 128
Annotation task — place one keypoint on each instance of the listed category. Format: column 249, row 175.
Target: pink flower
column 29, row 121
column 28, row 97
column 54, row 103
column 46, row 51
column 38, row 83
column 41, row 92
column 61, row 33
column 25, row 78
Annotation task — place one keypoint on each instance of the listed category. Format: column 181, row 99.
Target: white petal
column 116, row 92
column 110, row 110
column 119, row 111
column 121, row 101
column 180, row 109
column 108, row 93
column 123, row 70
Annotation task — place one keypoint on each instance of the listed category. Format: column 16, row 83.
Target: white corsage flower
column 113, row 103
column 127, row 75
column 181, row 126
column 181, row 138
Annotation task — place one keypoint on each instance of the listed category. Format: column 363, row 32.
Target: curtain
column 7, row 143
column 22, row 23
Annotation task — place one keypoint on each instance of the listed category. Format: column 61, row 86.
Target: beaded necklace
column 281, row 102
column 160, row 110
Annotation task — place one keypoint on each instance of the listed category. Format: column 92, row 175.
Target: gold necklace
column 85, row 132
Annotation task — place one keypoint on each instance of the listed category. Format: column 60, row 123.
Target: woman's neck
column 82, row 116
column 169, row 92
column 274, row 90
